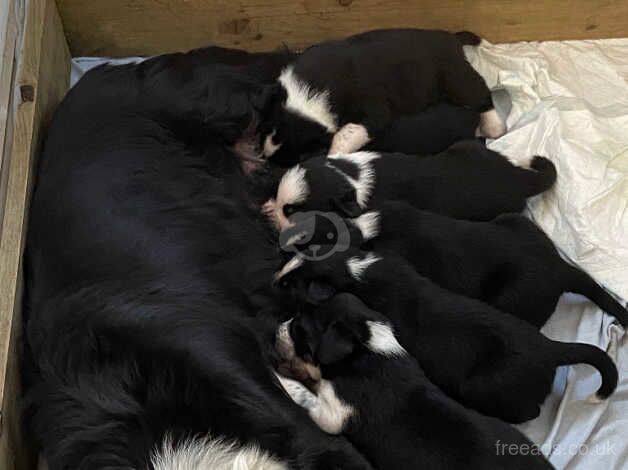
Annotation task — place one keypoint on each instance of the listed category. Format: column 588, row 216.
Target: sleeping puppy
column 343, row 94
column 509, row 262
column 428, row 132
column 467, row 181
column 377, row 395
column 486, row 359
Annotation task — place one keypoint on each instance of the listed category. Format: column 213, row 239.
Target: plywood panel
column 41, row 80
column 140, row 27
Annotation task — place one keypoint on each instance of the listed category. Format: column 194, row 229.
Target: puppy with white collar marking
column 508, row 262
column 378, row 396
column 467, row 181
column 347, row 93
column 486, row 359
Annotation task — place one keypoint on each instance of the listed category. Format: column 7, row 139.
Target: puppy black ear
column 337, row 343
column 318, row 292
column 267, row 98
column 347, row 204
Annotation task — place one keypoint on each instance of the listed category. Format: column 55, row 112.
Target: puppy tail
column 467, row 38
column 542, row 173
column 579, row 353
column 581, row 283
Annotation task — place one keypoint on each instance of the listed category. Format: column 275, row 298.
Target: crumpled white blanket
column 568, row 101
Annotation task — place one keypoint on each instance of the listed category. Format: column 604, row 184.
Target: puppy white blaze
column 357, row 266
column 350, row 138
column 293, row 187
column 291, row 265
column 368, row 224
column 283, row 341
column 366, row 179
column 308, row 103
column 269, row 147
column 295, row 238
column 330, row 412
column 203, row 453
column 383, row 340
column 298, row 392
column 491, row 125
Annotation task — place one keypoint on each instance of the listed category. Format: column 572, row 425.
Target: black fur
column 402, row 420
column 467, row 181
column 148, row 300
column 508, row 262
column 486, row 359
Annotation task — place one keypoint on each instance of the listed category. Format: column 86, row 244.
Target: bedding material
column 568, row 101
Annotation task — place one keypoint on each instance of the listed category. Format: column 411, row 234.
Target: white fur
column 298, row 392
column 330, row 412
column 291, row 265
column 269, row 147
column 350, row 138
column 383, row 340
column 366, row 180
column 357, row 266
column 491, row 125
column 293, row 187
column 208, row 453
column 368, row 224
column 283, row 341
column 308, row 103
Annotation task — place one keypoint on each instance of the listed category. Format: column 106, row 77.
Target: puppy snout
column 283, row 342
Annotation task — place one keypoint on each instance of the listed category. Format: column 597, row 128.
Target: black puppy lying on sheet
column 467, row 181
column 484, row 358
column 508, row 262
column 377, row 395
column 427, row 132
column 346, row 93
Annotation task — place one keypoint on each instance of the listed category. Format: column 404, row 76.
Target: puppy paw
column 350, row 138
column 491, row 125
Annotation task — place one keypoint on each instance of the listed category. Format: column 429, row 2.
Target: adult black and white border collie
column 148, row 286
column 343, row 94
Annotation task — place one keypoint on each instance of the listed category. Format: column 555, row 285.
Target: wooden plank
column 41, row 81
column 142, row 27
column 8, row 36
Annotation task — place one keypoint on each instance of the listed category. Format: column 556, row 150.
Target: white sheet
column 568, row 101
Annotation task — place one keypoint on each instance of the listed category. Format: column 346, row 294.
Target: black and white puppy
column 378, row 396
column 509, row 262
column 467, row 181
column 428, row 132
column 486, row 359
column 343, row 94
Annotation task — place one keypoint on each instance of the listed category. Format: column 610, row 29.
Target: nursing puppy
column 428, row 132
column 346, row 93
column 509, row 262
column 373, row 392
column 467, row 181
column 486, row 359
